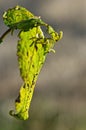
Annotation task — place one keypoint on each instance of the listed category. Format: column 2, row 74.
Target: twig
column 2, row 37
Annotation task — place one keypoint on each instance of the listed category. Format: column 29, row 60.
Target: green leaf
column 32, row 49
column 20, row 18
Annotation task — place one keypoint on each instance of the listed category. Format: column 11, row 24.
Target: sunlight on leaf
column 32, row 49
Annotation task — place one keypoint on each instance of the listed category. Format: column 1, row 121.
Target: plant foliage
column 32, row 49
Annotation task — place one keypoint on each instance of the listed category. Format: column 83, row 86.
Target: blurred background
column 59, row 100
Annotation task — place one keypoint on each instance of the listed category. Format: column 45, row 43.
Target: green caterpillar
column 32, row 49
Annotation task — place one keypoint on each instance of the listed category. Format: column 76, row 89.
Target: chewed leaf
column 22, row 102
column 20, row 18
column 26, row 25
column 32, row 49
column 16, row 15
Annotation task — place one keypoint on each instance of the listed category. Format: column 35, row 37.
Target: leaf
column 20, row 18
column 32, row 49
column 30, row 57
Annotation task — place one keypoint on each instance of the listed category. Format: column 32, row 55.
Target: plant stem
column 4, row 34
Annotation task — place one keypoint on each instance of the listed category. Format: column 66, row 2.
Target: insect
column 32, row 49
